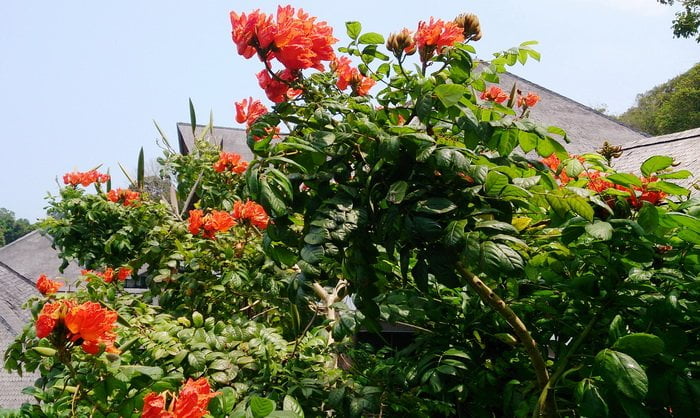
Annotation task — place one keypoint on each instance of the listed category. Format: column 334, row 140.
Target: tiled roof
column 230, row 139
column 16, row 291
column 32, row 255
column 683, row 147
column 586, row 128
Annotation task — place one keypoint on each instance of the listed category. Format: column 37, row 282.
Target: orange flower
column 124, row 196
column 92, row 325
column 297, row 40
column 211, row 224
column 50, row 315
column 124, row 272
column 154, row 406
column 195, row 221
column 276, row 90
column 229, row 161
column 192, row 402
column 85, row 178
column 436, row 35
column 46, row 286
column 350, row 76
column 249, row 110
column 528, row 101
column 596, row 182
column 494, row 94
column 252, row 212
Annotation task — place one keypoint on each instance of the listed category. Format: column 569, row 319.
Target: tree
column 669, row 107
column 687, row 21
column 11, row 228
column 536, row 283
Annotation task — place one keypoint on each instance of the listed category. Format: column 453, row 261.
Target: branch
column 493, row 300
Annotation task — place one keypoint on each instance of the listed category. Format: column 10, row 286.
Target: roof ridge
column 20, row 238
column 610, row 118
column 21, row 276
column 667, row 141
column 214, row 126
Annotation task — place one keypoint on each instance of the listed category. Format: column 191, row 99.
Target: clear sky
column 81, row 81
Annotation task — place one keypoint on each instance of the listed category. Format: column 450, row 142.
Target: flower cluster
column 494, row 94
column 124, row 196
column 530, row 100
column 252, row 212
column 192, row 402
column 291, row 37
column 88, row 324
column 350, row 76
column 598, row 183
column 435, row 36
column 249, row 110
column 229, row 161
column 209, row 225
column 46, row 286
column 85, row 178
column 121, row 273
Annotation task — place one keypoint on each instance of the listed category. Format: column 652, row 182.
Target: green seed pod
column 45, row 351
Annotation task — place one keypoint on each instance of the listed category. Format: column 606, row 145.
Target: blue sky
column 81, row 81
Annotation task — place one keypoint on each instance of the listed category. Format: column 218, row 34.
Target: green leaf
column 371, row 38
column 527, row 140
column 616, row 330
column 591, row 403
column 654, row 164
column 131, row 371
column 291, row 404
column 640, row 344
column 450, row 94
column 676, row 175
column 193, row 117
column 435, row 205
column 353, row 29
column 648, row 217
column 581, row 207
column 454, row 233
column 573, row 167
column 261, row 407
column 140, row 171
column 495, row 182
column 312, row 253
column 600, row 230
column 623, row 179
column 623, row 372
column 500, row 257
column 670, row 188
column 397, row 192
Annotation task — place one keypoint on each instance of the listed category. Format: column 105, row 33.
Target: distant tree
column 11, row 228
column 669, row 107
column 687, row 22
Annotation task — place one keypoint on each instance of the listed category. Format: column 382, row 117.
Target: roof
column 683, row 147
column 586, row 128
column 16, row 291
column 230, row 139
column 32, row 255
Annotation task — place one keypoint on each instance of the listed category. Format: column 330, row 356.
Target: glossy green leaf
column 654, row 164
column 495, row 182
column 450, row 94
column 623, row 179
column 600, row 230
column 289, row 403
column 261, row 407
column 623, row 372
column 353, row 29
column 371, row 38
column 639, row 344
column 397, row 192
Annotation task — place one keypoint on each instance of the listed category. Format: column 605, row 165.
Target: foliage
column 11, row 228
column 533, row 282
column 669, row 107
column 687, row 21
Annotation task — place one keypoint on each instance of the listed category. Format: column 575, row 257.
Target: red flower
column 212, row 223
column 192, row 402
column 249, row 110
column 229, row 161
column 295, row 39
column 124, row 196
column 276, row 90
column 528, row 101
column 124, row 272
column 350, row 76
column 91, row 324
column 195, row 221
column 46, row 286
column 50, row 315
column 252, row 212
column 85, row 178
column 494, row 94
column 154, row 406
column 436, row 35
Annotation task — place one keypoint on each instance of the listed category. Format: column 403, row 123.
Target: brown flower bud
column 610, row 151
column 470, row 25
column 401, row 43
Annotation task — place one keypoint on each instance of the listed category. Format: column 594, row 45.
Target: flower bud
column 401, row 43
column 470, row 26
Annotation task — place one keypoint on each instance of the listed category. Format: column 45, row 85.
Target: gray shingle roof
column 32, row 255
column 232, row 139
column 683, row 147
column 586, row 128
column 16, row 291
